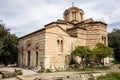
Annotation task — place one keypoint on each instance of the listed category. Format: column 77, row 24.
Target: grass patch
column 112, row 76
column 107, row 77
column 75, row 70
column 48, row 71
column 117, row 75
column 103, row 68
column 86, row 69
column 115, row 62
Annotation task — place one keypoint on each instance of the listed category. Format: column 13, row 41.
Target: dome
column 73, row 14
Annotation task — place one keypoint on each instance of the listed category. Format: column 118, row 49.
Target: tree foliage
column 84, row 52
column 102, row 51
column 114, row 42
column 8, row 46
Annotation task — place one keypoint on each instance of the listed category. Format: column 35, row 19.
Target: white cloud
column 24, row 16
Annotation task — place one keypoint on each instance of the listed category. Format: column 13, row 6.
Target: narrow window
column 104, row 40
column 58, row 43
column 61, row 46
column 74, row 15
column 81, row 17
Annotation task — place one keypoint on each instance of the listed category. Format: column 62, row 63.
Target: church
column 50, row 47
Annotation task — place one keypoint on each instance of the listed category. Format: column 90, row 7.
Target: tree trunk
column 83, row 63
column 103, row 62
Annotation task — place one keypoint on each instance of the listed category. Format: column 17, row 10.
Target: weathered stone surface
column 51, row 46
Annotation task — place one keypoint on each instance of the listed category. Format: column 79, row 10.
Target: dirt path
column 31, row 75
column 114, row 68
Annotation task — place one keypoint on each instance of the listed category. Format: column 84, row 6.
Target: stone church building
column 51, row 46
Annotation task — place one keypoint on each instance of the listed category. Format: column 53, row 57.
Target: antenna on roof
column 72, row 4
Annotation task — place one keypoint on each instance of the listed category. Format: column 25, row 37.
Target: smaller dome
column 73, row 14
column 73, row 9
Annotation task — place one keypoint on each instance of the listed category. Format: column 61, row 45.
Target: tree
column 114, row 42
column 3, row 33
column 8, row 46
column 84, row 52
column 102, row 51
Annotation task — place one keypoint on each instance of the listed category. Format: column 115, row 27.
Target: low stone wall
column 77, row 76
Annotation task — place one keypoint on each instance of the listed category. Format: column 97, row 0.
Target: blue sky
column 26, row 16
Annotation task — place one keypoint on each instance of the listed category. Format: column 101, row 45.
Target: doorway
column 36, row 59
column 28, row 58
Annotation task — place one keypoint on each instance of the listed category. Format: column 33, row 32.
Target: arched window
column 60, row 44
column 74, row 15
column 81, row 17
column 28, row 45
column 37, row 50
column 104, row 39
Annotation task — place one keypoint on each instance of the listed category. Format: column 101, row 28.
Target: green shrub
column 57, row 70
column 115, row 62
column 48, row 71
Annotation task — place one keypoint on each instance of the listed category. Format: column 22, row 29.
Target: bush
column 115, row 62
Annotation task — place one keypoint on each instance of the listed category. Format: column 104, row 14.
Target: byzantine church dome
column 73, row 14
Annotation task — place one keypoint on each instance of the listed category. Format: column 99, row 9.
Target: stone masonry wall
column 94, row 34
column 37, row 44
column 54, row 58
